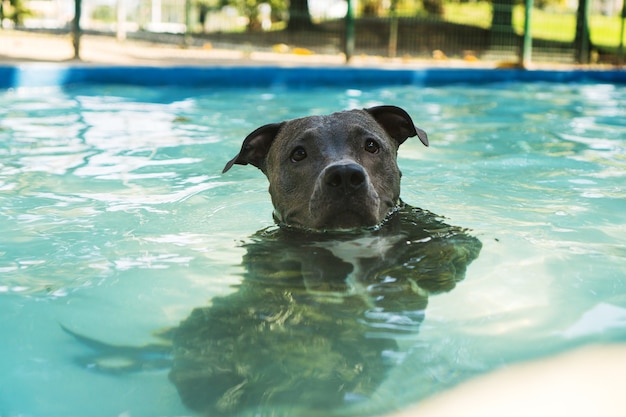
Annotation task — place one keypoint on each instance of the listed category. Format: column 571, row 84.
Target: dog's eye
column 298, row 154
column 372, row 146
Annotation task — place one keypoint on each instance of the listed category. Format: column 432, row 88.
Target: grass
column 605, row 30
column 473, row 14
column 557, row 25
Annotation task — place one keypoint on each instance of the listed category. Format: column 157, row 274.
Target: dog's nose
column 346, row 176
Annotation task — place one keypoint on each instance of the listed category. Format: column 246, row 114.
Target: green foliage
column 247, row 8
column 104, row 13
column 17, row 11
column 210, row 4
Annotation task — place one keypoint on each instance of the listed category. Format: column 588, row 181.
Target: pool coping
column 274, row 76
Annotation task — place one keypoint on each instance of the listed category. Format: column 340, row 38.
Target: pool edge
column 50, row 75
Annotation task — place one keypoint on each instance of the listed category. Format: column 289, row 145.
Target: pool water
column 117, row 223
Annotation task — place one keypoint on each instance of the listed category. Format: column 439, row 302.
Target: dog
column 347, row 265
column 325, row 292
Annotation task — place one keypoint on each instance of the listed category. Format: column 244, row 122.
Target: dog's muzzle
column 344, row 178
column 344, row 198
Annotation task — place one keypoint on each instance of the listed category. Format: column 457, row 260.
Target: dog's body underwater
column 349, row 265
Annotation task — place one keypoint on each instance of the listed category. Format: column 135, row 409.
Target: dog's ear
column 255, row 147
column 397, row 123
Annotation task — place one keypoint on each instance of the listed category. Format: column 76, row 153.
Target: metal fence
column 505, row 30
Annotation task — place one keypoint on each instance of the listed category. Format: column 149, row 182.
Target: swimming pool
column 117, row 223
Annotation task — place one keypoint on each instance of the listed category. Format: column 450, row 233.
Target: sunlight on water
column 117, row 223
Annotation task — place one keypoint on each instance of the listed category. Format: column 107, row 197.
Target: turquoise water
column 117, row 223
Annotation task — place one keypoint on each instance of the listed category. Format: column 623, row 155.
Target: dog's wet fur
column 312, row 324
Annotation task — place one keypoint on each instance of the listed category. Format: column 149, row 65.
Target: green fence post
column 527, row 48
column 187, row 35
column 76, row 28
column 349, row 35
column 393, row 30
column 620, row 50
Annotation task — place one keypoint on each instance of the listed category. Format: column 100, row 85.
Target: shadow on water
column 315, row 323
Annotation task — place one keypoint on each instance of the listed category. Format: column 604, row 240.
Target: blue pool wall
column 47, row 75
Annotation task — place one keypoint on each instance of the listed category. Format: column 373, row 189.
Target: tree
column 247, row 8
column 433, row 7
column 16, row 11
column 502, row 32
column 299, row 16
column 582, row 41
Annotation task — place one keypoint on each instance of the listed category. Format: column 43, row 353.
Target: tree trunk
column 299, row 15
column 502, row 33
column 582, row 41
column 433, row 7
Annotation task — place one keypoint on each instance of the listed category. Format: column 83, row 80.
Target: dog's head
column 331, row 172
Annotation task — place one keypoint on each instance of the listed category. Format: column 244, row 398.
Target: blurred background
column 561, row 31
